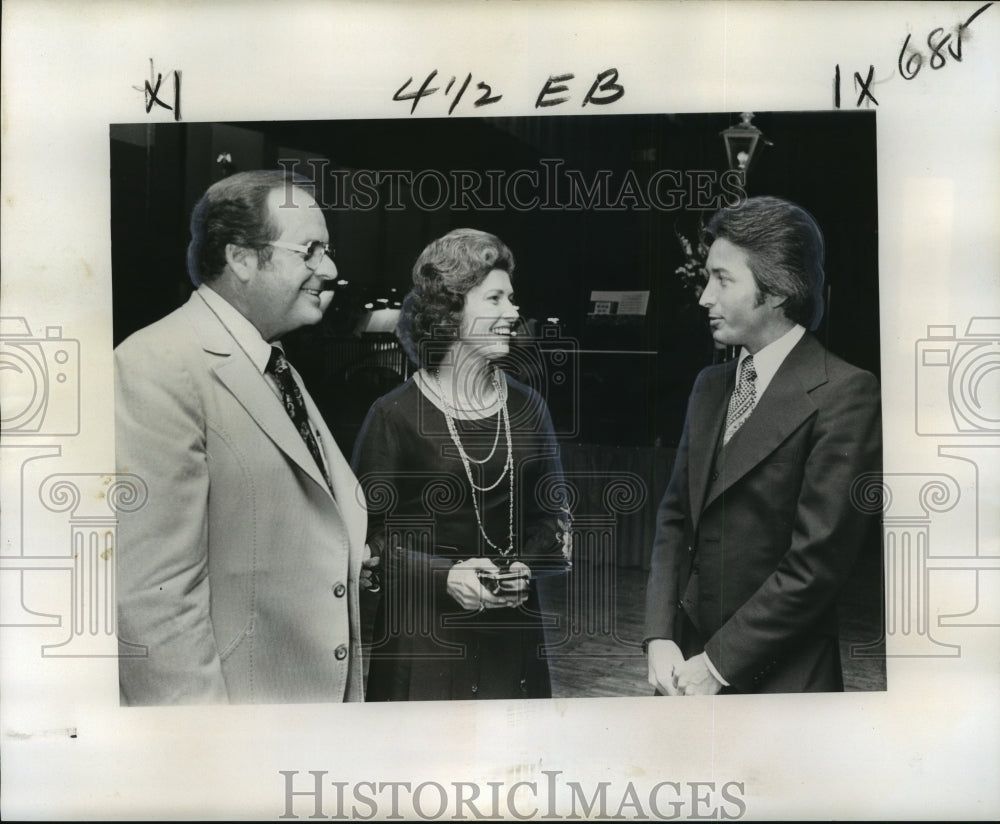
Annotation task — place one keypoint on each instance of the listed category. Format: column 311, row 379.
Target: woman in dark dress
column 464, row 484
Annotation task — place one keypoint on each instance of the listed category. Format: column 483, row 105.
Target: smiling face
column 284, row 293
column 488, row 317
column 737, row 311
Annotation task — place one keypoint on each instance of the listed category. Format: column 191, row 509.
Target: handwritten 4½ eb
column 604, row 90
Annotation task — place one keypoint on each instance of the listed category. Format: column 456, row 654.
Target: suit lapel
column 708, row 411
column 782, row 409
column 347, row 492
column 239, row 375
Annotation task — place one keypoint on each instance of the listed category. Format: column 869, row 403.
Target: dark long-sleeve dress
column 422, row 521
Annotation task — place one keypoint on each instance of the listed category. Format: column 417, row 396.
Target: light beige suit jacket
column 238, row 579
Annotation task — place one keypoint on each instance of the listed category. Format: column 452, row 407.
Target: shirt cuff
column 713, row 670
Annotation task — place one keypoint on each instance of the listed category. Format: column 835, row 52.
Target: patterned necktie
column 294, row 405
column 744, row 399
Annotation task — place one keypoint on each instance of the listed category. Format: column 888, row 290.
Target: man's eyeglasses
column 314, row 252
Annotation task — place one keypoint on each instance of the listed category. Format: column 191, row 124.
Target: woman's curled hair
column 445, row 272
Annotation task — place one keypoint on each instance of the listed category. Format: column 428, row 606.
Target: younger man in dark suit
column 757, row 531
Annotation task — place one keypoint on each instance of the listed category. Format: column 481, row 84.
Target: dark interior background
column 620, row 402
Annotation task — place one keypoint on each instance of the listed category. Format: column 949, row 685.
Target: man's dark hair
column 235, row 210
column 784, row 248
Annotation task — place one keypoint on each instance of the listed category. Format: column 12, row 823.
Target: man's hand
column 693, row 677
column 371, row 577
column 664, row 659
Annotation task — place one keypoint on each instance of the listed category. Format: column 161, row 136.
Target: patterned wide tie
column 295, row 406
column 744, row 399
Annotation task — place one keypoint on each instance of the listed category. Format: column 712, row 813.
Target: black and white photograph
column 464, row 410
column 501, row 332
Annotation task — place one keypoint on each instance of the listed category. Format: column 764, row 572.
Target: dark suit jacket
column 753, row 545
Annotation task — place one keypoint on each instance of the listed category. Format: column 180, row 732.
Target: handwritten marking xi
column 151, row 91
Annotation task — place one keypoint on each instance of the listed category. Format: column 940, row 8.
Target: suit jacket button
column 475, row 688
column 696, row 569
column 340, row 653
column 690, row 550
column 339, row 589
column 715, row 477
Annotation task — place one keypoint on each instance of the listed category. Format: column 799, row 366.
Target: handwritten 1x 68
column 911, row 60
column 936, row 43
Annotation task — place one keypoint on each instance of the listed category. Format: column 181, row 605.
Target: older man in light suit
column 238, row 579
column 758, row 531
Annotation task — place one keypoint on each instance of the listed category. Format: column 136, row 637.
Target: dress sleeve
column 546, row 538
column 386, row 474
column 374, row 462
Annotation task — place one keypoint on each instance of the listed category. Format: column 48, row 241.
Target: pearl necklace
column 508, row 469
column 465, row 455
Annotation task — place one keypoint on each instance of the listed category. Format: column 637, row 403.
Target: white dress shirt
column 256, row 348
column 768, row 359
